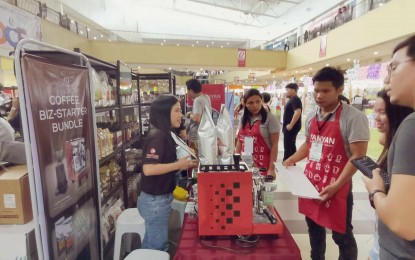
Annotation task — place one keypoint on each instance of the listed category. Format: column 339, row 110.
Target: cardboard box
column 15, row 202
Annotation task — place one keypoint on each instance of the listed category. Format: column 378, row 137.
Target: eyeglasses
column 392, row 66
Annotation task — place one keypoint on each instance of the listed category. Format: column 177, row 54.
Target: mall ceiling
column 213, row 23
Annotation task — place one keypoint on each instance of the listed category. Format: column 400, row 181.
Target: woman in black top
column 159, row 167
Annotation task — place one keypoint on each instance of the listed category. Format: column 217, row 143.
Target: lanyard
column 327, row 118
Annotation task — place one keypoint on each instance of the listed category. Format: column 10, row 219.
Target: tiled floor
column 363, row 215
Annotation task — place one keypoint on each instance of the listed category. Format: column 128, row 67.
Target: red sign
column 216, row 92
column 241, row 57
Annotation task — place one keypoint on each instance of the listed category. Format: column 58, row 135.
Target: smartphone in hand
column 366, row 165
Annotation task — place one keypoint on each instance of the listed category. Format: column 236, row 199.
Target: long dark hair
column 160, row 111
column 395, row 114
column 247, row 115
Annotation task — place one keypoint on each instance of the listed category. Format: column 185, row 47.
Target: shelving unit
column 162, row 83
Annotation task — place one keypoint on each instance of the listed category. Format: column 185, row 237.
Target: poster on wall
column 63, row 150
column 16, row 24
column 241, row 57
column 323, row 46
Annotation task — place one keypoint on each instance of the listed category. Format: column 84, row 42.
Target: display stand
column 60, row 151
column 114, row 108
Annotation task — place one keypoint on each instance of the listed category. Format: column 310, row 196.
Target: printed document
column 299, row 185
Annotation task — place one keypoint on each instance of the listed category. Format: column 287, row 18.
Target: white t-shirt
column 199, row 105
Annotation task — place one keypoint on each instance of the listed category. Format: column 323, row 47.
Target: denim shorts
column 155, row 209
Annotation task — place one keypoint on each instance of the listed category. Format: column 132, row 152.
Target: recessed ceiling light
column 221, row 46
column 201, row 68
column 273, row 77
column 296, row 71
column 161, row 44
column 164, row 40
column 102, row 35
column 207, row 46
column 285, row 74
column 88, row 29
column 213, row 42
column 82, row 32
column 197, row 41
column 138, row 67
column 227, row 43
column 178, row 44
column 193, row 45
column 109, row 40
column 375, row 53
column 327, row 64
column 348, row 59
column 95, row 38
column 310, row 68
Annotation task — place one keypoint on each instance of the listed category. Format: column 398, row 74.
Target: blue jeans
column 155, row 209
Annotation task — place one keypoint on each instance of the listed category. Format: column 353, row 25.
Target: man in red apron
column 336, row 133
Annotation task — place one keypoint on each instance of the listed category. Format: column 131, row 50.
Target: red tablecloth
column 269, row 246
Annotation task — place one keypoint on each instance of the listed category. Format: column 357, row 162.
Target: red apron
column 332, row 213
column 261, row 155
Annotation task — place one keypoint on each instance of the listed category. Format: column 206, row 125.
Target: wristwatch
column 371, row 195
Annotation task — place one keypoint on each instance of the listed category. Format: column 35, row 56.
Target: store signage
column 58, row 100
column 373, row 71
column 241, row 57
column 16, row 24
column 216, row 92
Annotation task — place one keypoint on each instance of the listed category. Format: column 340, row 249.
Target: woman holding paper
column 258, row 133
column 160, row 165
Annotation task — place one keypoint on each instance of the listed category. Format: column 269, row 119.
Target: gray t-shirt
column 199, row 105
column 400, row 161
column 271, row 126
column 354, row 125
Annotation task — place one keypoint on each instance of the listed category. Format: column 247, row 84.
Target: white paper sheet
column 295, row 180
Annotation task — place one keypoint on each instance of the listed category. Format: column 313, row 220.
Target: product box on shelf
column 15, row 203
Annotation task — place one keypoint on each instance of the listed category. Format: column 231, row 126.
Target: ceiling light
column 375, row 53
column 296, row 71
column 201, row 68
column 72, row 21
column 109, row 40
column 138, row 67
column 213, row 42
column 102, row 35
column 95, row 38
column 197, row 41
column 88, row 29
column 164, row 40
column 207, row 46
column 221, row 46
column 227, row 43
column 161, row 44
column 82, row 32
column 169, row 68
column 327, row 64
column 310, row 68
column 178, row 44
column 193, row 45
column 285, row 74
column 348, row 59
column 273, row 77
column 380, row 4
